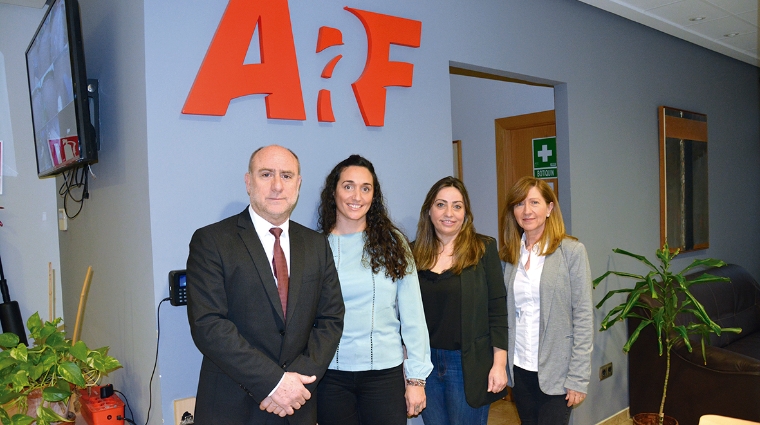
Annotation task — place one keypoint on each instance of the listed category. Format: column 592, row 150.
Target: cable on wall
column 75, row 188
column 158, row 340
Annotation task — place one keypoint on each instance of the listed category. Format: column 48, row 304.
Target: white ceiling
column 725, row 26
column 28, row 3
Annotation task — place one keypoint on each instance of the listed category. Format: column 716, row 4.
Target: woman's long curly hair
column 469, row 247
column 384, row 244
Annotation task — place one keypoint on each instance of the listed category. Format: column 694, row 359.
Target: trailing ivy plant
column 672, row 295
column 51, row 365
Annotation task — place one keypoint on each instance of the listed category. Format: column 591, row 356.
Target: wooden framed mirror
column 684, row 212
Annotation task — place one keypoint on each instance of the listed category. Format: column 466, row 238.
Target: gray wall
column 164, row 174
column 29, row 236
column 113, row 232
column 475, row 104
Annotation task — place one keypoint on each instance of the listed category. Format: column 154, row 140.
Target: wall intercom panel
column 178, row 287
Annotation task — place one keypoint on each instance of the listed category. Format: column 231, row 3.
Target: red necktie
column 280, row 266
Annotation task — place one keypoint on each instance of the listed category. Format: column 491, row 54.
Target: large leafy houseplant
column 672, row 297
column 52, row 365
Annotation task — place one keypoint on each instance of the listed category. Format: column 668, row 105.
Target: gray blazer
column 566, row 330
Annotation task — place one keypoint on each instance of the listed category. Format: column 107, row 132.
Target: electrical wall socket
column 605, row 371
column 181, row 406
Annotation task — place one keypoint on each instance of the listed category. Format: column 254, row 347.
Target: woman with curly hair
column 465, row 306
column 369, row 381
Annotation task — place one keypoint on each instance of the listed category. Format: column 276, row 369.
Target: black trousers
column 535, row 407
column 373, row 397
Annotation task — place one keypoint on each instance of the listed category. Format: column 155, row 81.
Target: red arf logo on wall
column 223, row 75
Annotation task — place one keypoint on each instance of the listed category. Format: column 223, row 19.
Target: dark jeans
column 446, row 403
column 373, row 397
column 535, row 407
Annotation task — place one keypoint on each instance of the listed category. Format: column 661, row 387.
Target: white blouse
column 528, row 307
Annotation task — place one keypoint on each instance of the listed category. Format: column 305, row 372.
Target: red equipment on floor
column 101, row 411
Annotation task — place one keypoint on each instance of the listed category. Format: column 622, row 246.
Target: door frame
column 505, row 171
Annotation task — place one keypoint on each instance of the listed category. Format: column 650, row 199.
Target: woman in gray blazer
column 548, row 282
column 465, row 309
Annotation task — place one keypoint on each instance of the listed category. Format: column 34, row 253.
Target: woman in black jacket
column 465, row 308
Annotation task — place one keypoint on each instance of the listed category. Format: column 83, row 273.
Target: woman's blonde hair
column 469, row 247
column 554, row 230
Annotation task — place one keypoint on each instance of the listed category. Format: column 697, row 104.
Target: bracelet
column 415, row 382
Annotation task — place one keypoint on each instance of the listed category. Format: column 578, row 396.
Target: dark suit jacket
column 236, row 319
column 484, row 324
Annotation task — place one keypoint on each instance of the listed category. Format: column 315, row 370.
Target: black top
column 442, row 300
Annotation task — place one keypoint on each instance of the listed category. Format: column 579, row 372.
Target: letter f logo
column 380, row 72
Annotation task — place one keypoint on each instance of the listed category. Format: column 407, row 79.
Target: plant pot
column 652, row 419
column 35, row 399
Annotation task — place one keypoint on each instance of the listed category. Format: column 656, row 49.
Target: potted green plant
column 672, row 297
column 52, row 368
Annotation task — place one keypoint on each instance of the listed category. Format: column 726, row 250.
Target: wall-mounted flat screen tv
column 63, row 132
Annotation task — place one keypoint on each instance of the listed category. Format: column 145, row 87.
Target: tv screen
column 63, row 132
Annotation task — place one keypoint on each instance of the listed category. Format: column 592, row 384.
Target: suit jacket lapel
column 296, row 268
column 258, row 255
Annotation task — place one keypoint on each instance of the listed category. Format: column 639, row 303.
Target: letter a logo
column 223, row 75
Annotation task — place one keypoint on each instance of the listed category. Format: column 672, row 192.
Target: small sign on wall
column 545, row 158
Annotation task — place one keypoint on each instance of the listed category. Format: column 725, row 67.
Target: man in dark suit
column 263, row 349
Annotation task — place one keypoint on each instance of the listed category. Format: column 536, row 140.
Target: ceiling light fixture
column 732, row 34
column 698, row 18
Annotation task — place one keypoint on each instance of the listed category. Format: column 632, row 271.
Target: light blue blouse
column 379, row 313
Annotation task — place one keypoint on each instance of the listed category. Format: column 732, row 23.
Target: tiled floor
column 504, row 413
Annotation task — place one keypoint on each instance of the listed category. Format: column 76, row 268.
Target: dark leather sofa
column 729, row 384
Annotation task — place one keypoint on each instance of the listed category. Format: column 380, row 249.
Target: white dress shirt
column 528, row 307
column 267, row 239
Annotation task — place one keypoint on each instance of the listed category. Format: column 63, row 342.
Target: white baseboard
column 617, row 418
